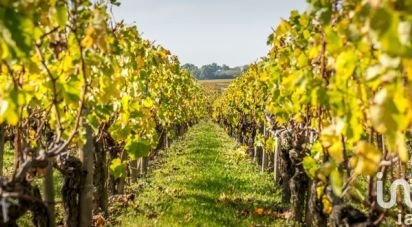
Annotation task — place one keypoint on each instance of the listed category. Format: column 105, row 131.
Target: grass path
column 202, row 181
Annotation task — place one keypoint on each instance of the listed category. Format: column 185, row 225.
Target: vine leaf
column 367, row 159
column 137, row 148
column 118, row 168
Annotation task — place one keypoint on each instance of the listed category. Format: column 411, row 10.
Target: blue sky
column 232, row 32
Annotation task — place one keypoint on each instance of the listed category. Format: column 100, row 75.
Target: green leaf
column 270, row 144
column 93, row 121
column 346, row 64
column 336, row 181
column 311, row 166
column 21, row 29
column 334, row 42
column 325, row 170
column 61, row 15
column 381, row 21
column 325, row 15
column 137, row 148
column 118, row 168
column 392, row 33
column 302, row 60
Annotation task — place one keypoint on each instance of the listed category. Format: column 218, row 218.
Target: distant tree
column 209, row 71
column 225, row 67
column 214, row 71
column 193, row 69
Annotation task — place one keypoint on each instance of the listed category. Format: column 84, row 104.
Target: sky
column 231, row 32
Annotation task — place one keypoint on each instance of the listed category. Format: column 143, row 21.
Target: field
column 220, row 84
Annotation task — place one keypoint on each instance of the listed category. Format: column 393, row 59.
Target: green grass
column 200, row 182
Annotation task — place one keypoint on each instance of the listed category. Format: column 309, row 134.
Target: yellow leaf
column 259, row 211
column 148, row 103
column 396, row 143
column 336, row 153
column 140, row 62
column 67, row 63
column 283, row 28
column 407, row 65
column 87, row 42
column 368, row 158
column 124, row 118
column 327, row 205
column 4, row 51
column 299, row 118
column 331, row 140
column 4, row 104
column 336, row 181
column 90, row 31
column 353, row 161
column 320, row 191
column 264, row 77
column 382, row 112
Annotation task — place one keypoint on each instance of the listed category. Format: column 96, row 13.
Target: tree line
column 214, row 71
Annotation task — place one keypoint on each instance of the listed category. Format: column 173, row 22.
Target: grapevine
column 335, row 93
column 82, row 94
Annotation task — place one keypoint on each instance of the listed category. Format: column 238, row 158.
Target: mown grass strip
column 201, row 182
